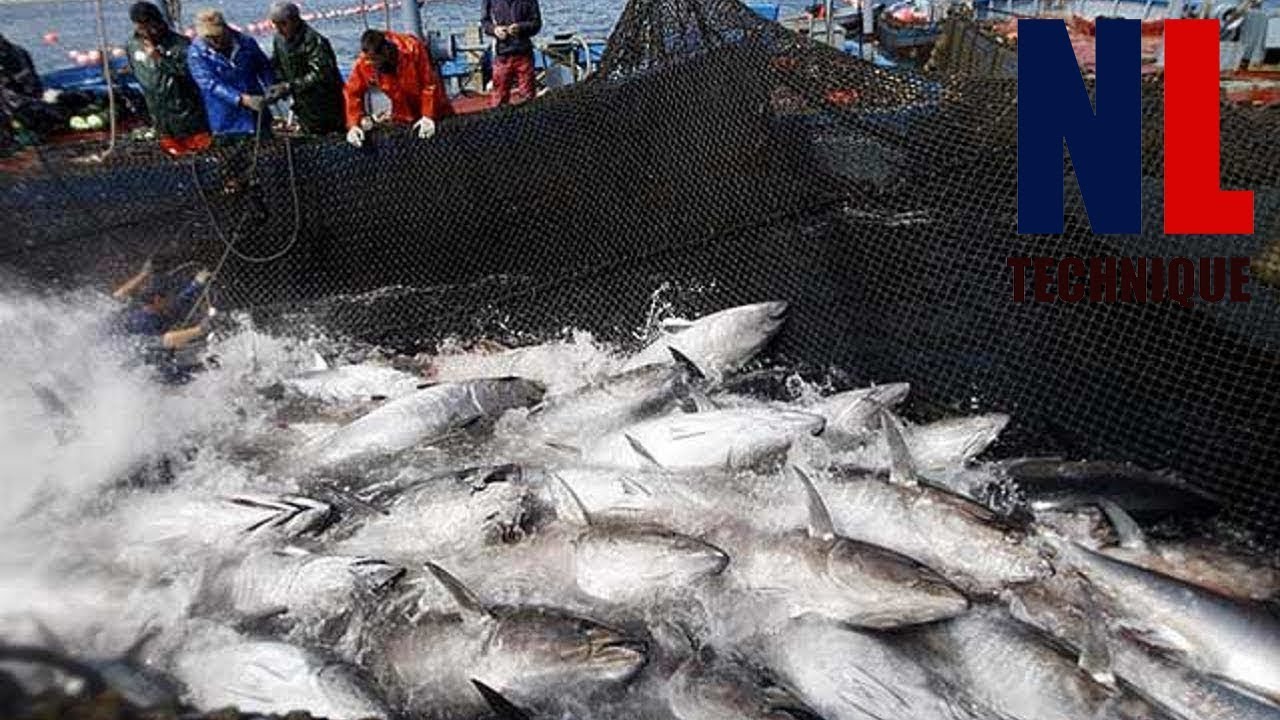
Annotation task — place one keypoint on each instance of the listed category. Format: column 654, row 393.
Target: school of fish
column 646, row 540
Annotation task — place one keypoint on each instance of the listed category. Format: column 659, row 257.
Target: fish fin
column 1163, row 640
column 564, row 448
column 293, row 514
column 1095, row 648
column 537, row 409
column 569, row 506
column 820, row 525
column 467, row 600
column 675, row 325
column 149, row 632
column 49, row 637
column 318, row 363
column 690, row 368
column 702, row 403
column 902, row 469
column 1131, row 536
column 641, row 450
column 502, row 708
column 260, row 623
column 373, row 576
column 1270, row 700
column 428, row 384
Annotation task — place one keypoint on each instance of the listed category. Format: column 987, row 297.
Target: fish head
column 723, row 691
column 513, row 392
column 917, row 593
column 375, row 576
column 538, row 646
column 732, row 337
column 621, row 564
column 349, row 693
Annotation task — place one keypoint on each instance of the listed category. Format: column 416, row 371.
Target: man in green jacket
column 158, row 59
column 305, row 64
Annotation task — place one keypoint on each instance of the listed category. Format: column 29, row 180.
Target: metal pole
column 412, row 17
column 827, row 9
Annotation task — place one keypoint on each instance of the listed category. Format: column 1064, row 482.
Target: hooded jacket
column 222, row 79
column 171, row 93
column 414, row 90
column 308, row 64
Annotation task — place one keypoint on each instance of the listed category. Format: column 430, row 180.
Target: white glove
column 355, row 136
column 425, row 127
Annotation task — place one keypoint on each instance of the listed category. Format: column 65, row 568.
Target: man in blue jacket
column 233, row 75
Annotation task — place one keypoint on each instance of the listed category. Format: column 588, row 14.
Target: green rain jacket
column 172, row 96
column 308, row 64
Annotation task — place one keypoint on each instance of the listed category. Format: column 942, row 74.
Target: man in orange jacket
column 400, row 66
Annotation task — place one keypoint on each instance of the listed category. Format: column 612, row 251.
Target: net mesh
column 724, row 159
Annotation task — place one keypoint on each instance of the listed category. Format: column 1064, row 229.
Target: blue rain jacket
column 222, row 79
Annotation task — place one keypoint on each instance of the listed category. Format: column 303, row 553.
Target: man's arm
column 353, row 93
column 130, row 286
column 428, row 75
column 176, row 339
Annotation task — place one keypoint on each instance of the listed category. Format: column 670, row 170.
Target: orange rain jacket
column 415, row 90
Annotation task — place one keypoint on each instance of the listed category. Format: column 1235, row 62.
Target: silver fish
column 1193, row 561
column 850, row 674
column 712, row 688
column 274, row 677
column 315, row 594
column 973, row 548
column 1058, row 607
column 530, row 655
column 1010, row 668
column 417, row 514
column 854, row 414
column 610, row 403
column 350, row 384
column 421, row 417
column 935, row 446
column 1233, row 641
column 818, row 571
column 717, row 439
column 719, row 343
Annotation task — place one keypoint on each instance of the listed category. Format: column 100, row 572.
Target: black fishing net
column 721, row 159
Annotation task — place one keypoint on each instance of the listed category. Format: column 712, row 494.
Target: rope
column 364, row 13
column 106, row 74
column 229, row 247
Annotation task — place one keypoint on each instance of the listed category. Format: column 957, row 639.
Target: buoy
column 117, row 52
column 51, row 38
column 94, row 56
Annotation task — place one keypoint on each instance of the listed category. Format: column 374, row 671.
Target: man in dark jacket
column 21, row 91
column 158, row 59
column 512, row 23
column 307, row 69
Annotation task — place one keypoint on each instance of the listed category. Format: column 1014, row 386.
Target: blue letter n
column 1106, row 147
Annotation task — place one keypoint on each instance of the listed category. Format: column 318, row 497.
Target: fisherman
column 233, row 75
column 158, row 59
column 160, row 312
column 305, row 64
column 400, row 66
column 21, row 91
column 512, row 23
